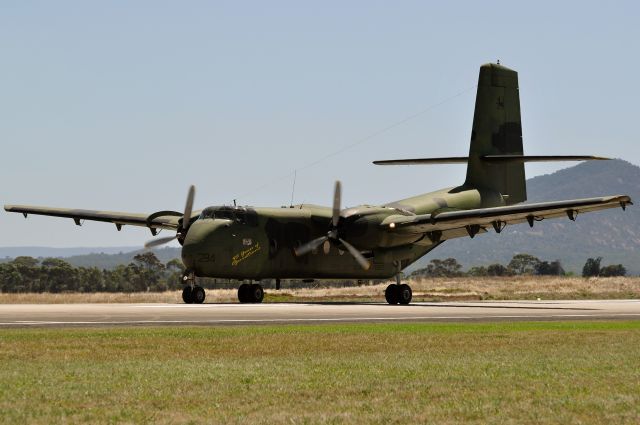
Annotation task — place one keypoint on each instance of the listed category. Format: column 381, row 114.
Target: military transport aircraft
column 363, row 242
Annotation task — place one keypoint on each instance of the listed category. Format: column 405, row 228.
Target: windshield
column 242, row 215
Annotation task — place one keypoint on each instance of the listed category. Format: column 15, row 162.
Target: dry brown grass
column 527, row 287
column 475, row 288
column 98, row 297
column 464, row 288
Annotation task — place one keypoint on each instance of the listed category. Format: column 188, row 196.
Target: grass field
column 441, row 289
column 582, row 373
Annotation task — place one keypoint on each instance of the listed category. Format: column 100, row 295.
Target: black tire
column 243, row 293
column 257, row 293
column 198, row 295
column 391, row 294
column 187, row 295
column 404, row 294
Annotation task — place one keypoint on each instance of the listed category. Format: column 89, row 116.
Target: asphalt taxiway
column 59, row 315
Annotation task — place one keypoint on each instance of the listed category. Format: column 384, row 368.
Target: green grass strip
column 522, row 372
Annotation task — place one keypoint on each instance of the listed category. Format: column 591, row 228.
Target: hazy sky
column 121, row 105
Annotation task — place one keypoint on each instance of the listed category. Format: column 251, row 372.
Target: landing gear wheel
column 257, row 293
column 404, row 294
column 243, row 293
column 197, row 295
column 391, row 294
column 187, row 294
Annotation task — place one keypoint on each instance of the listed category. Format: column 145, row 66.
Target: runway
column 60, row 315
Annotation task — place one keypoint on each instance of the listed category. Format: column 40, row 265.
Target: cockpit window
column 240, row 215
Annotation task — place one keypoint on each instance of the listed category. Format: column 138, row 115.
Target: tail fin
column 497, row 130
column 496, row 160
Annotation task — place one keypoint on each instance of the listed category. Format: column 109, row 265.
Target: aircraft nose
column 200, row 239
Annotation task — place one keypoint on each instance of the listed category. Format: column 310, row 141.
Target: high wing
column 453, row 224
column 159, row 220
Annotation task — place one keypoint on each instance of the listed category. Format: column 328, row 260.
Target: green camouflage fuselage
column 263, row 246
column 258, row 243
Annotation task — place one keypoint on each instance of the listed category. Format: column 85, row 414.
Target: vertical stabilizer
column 497, row 130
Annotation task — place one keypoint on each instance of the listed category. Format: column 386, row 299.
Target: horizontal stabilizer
column 540, row 158
column 491, row 159
column 425, row 161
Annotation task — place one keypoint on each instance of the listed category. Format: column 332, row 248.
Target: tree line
column 520, row 264
column 146, row 273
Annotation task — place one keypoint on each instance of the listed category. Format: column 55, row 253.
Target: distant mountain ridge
column 100, row 257
column 43, row 251
column 612, row 234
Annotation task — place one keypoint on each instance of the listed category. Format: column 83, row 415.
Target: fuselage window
column 240, row 216
column 251, row 218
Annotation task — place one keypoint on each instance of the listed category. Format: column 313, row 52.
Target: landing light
column 392, row 225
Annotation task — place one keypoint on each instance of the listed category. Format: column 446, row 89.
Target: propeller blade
column 310, row 246
column 188, row 207
column 337, row 196
column 364, row 263
column 160, row 241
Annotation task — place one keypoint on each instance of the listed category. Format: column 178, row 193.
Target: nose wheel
column 192, row 293
column 250, row 293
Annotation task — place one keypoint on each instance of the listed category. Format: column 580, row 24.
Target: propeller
column 159, row 241
column 332, row 235
column 183, row 227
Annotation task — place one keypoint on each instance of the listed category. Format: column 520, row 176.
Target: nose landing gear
column 192, row 293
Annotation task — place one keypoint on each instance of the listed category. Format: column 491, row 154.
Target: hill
column 613, row 234
column 103, row 258
column 44, row 251
column 109, row 261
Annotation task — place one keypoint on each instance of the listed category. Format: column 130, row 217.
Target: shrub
column 440, row 268
column 591, row 267
column 523, row 264
column 613, row 270
column 546, row 268
column 497, row 270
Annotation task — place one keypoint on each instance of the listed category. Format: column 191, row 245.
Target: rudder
column 497, row 130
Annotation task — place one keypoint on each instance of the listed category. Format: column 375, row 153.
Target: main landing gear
column 192, row 293
column 398, row 293
column 250, row 293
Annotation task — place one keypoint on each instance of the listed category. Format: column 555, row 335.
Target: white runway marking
column 212, row 305
column 316, row 319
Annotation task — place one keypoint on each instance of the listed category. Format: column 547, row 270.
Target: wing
column 157, row 220
column 453, row 224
